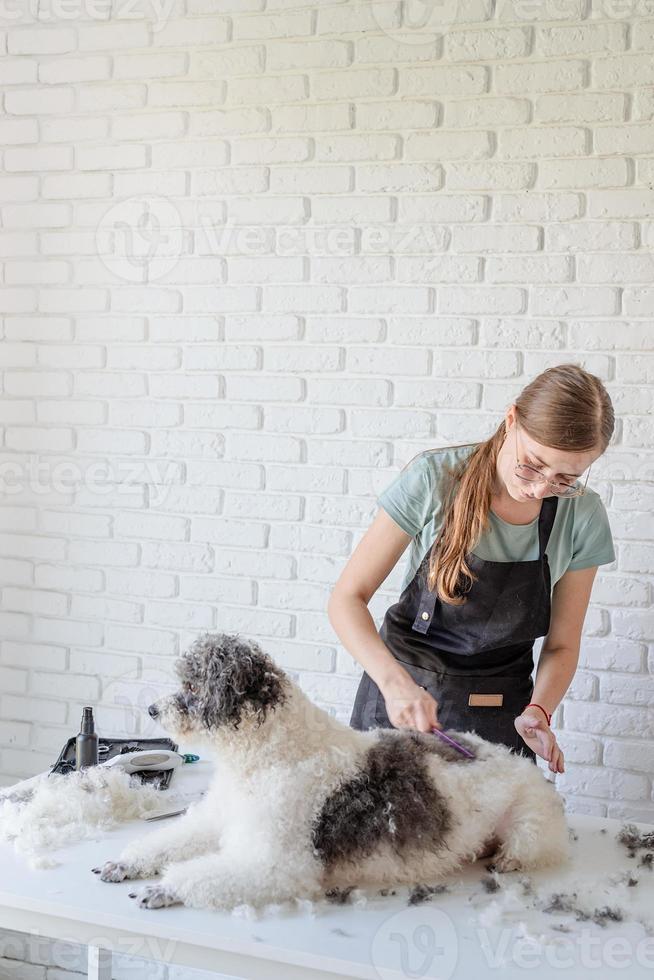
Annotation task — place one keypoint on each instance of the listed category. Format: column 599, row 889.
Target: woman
column 506, row 541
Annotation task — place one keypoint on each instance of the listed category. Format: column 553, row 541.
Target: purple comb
column 454, row 743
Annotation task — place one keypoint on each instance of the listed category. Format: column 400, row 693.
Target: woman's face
column 556, row 465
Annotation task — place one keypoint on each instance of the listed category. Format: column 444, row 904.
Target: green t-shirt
column 581, row 535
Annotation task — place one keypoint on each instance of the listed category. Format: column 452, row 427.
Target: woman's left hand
column 532, row 726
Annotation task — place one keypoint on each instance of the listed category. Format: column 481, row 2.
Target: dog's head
column 225, row 681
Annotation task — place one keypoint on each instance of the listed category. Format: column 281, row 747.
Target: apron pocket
column 454, row 692
column 492, row 721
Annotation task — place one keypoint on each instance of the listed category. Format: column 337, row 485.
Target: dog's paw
column 503, row 863
column 115, row 871
column 155, row 897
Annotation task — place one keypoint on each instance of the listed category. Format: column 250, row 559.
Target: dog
column 302, row 806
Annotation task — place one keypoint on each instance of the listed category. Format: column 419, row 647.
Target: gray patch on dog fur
column 221, row 674
column 391, row 799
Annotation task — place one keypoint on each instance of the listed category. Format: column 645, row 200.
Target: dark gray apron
column 475, row 659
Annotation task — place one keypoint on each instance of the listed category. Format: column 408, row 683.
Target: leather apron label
column 486, row 700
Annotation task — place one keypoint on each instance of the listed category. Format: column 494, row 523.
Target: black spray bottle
column 86, row 744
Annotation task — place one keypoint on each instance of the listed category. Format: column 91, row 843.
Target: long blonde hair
column 564, row 407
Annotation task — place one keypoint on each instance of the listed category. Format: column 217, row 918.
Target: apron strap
column 546, row 522
column 427, row 604
column 422, row 622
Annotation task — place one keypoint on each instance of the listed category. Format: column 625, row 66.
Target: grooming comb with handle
column 451, row 741
column 456, row 745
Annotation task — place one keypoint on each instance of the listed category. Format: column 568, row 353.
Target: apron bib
column 475, row 659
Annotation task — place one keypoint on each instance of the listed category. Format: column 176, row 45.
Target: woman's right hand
column 408, row 705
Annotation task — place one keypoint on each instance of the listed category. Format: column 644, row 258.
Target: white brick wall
column 366, row 238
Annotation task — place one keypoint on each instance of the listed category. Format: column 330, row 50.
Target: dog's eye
column 190, row 688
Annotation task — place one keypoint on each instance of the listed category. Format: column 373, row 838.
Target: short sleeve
column 592, row 541
column 408, row 498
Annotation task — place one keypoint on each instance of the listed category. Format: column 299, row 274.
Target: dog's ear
column 232, row 675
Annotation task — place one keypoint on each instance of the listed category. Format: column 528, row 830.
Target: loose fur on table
column 62, row 808
column 302, row 806
column 540, row 915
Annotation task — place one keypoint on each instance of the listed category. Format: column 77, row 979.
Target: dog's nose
column 153, row 711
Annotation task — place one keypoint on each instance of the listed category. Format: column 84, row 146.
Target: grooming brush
column 450, row 741
column 456, row 745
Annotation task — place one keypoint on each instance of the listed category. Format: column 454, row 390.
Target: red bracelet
column 532, row 704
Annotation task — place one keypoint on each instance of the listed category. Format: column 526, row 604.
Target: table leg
column 99, row 963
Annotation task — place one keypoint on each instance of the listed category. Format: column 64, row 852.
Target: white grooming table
column 384, row 938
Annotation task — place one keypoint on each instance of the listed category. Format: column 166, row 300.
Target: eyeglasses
column 529, row 474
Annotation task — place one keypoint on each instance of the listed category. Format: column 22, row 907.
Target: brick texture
column 254, row 258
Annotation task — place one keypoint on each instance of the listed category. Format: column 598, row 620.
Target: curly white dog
column 302, row 805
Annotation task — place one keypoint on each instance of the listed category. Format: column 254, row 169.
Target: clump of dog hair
column 339, row 896
column 601, row 916
column 490, row 883
column 508, row 900
column 421, row 893
column 634, row 839
column 601, row 902
column 62, row 808
column 625, row 877
column 563, row 902
column 527, row 885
